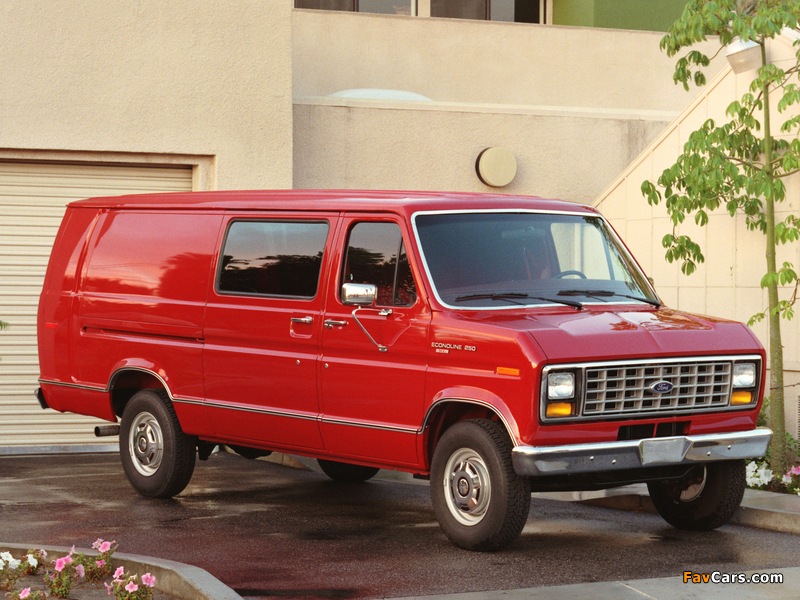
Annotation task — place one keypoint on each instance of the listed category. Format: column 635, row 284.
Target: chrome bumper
column 610, row 456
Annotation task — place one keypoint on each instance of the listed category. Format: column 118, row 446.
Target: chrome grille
column 622, row 389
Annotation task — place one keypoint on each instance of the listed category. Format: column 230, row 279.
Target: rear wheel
column 480, row 502
column 157, row 456
column 706, row 499
column 345, row 472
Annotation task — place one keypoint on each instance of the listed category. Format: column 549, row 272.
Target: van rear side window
column 272, row 258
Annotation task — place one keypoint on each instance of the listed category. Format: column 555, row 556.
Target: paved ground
column 269, row 531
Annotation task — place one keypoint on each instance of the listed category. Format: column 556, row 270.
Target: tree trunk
column 775, row 390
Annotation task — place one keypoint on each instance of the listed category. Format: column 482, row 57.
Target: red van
column 494, row 344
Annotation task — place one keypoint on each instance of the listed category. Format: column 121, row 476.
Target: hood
column 604, row 334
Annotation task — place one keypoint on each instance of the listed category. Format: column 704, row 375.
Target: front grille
column 625, row 389
column 651, row 388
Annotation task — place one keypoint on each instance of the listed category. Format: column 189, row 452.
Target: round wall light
column 496, row 166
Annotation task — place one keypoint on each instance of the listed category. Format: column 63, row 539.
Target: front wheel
column 705, row 499
column 157, row 456
column 480, row 502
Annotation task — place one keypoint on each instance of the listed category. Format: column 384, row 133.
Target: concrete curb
column 182, row 581
column 764, row 510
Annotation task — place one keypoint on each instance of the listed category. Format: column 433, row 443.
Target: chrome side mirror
column 364, row 295
column 359, row 294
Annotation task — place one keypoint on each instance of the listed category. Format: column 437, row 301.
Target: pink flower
column 62, row 562
column 794, row 470
column 105, row 547
column 97, row 543
column 108, row 587
column 149, row 580
column 131, row 587
column 101, row 563
column 25, row 593
column 80, row 570
column 119, row 572
column 71, row 552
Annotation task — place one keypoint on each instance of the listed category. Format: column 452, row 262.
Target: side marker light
column 507, row 371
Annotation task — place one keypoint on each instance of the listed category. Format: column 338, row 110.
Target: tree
column 739, row 164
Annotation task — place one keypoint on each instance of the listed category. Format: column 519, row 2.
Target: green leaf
column 701, row 218
column 769, row 279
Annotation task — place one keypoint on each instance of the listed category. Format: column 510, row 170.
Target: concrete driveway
column 272, row 531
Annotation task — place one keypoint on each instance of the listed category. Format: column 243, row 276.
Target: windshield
column 503, row 259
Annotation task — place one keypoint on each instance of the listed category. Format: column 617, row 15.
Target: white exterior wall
column 104, row 98
column 483, row 62
column 728, row 283
column 364, row 144
column 151, row 80
column 574, row 105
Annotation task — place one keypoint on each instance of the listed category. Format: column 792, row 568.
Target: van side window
column 376, row 255
column 273, row 258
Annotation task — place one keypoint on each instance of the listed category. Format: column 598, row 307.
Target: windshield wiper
column 512, row 296
column 607, row 293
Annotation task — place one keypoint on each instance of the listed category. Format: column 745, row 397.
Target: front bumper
column 634, row 454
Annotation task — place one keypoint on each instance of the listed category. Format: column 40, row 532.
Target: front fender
column 479, row 397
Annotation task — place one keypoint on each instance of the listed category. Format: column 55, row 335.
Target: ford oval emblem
column 662, row 387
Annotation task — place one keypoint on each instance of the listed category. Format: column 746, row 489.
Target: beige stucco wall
column 574, row 105
column 727, row 284
column 151, row 80
column 455, row 60
column 368, row 144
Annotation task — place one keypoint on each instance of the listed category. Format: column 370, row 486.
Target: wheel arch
column 447, row 410
column 127, row 380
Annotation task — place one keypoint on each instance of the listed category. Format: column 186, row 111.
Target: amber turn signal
column 739, row 398
column 559, row 409
column 507, row 371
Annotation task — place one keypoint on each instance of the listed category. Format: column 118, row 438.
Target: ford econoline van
column 494, row 344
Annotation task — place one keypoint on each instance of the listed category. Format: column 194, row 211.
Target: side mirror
column 359, row 294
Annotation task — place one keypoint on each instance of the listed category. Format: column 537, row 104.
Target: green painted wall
column 648, row 15
column 579, row 13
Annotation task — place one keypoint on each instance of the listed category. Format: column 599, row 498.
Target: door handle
column 330, row 323
column 302, row 319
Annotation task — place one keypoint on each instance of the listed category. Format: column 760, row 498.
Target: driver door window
column 376, row 255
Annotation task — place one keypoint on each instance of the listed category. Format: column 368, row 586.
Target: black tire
column 480, row 502
column 704, row 500
column 157, row 456
column 345, row 472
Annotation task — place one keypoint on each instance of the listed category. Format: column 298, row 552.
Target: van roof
column 331, row 200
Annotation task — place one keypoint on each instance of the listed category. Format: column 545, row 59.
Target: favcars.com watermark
column 720, row 577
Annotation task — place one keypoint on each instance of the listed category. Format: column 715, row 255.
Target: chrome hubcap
column 146, row 444
column 694, row 489
column 467, row 487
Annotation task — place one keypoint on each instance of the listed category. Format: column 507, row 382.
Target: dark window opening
column 376, row 255
column 272, row 258
column 519, row 11
column 383, row 7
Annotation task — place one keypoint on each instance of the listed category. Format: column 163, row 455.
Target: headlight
column 744, row 375
column 560, row 386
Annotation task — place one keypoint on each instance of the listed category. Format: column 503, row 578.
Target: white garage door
column 32, row 201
